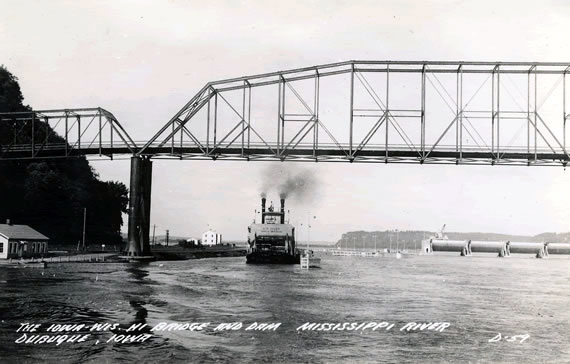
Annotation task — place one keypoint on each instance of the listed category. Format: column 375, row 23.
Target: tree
column 10, row 94
column 51, row 195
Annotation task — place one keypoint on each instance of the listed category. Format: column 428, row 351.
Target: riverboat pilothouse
column 272, row 241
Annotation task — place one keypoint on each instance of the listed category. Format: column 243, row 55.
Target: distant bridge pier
column 138, row 246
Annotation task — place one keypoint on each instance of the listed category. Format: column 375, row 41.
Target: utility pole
column 397, row 240
column 153, row 230
column 167, row 235
column 84, row 223
column 308, row 232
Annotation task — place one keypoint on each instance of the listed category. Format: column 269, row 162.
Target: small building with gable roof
column 21, row 241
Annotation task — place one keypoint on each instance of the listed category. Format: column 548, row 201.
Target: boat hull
column 265, row 258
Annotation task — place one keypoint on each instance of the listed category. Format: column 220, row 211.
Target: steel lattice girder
column 63, row 133
column 477, row 135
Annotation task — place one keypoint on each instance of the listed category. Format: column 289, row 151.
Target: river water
column 479, row 296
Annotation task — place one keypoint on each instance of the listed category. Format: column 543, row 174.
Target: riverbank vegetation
column 51, row 195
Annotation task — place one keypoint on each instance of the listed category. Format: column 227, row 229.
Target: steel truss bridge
column 357, row 111
column 490, row 113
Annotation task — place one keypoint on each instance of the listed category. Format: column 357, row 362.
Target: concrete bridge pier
column 138, row 246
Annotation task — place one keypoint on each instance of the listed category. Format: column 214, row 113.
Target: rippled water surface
column 480, row 296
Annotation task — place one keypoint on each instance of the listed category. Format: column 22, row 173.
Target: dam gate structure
column 501, row 248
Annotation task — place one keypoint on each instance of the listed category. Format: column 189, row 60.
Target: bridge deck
column 326, row 153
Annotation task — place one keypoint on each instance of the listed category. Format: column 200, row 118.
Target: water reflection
column 138, row 296
column 137, row 272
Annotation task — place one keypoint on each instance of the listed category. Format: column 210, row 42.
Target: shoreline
column 163, row 254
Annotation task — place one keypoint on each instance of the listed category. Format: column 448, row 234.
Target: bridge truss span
column 507, row 113
column 62, row 133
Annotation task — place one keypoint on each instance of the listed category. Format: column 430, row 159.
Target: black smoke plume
column 290, row 182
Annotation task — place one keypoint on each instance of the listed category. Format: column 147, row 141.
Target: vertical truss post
column 283, row 113
column 172, row 139
column 15, row 128
column 457, row 110
column 46, row 119
column 498, row 111
column 564, row 108
column 33, row 133
column 280, row 91
column 78, row 131
column 535, row 111
column 100, row 132
column 111, row 136
column 215, row 119
column 246, row 120
column 243, row 120
column 66, row 134
column 208, row 117
column 493, row 111
column 387, row 107
column 528, row 110
column 181, row 139
column 460, row 102
column 351, row 108
column 423, row 114
column 248, row 113
column 316, row 116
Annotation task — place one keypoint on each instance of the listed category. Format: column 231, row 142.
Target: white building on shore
column 211, row 237
column 21, row 241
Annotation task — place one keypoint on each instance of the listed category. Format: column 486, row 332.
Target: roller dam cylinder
column 488, row 246
column 444, row 245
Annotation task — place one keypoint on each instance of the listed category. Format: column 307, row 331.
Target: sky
column 144, row 60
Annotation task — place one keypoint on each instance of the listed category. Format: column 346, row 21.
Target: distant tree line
column 411, row 239
column 50, row 195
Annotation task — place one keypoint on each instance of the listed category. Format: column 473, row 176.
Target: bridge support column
column 138, row 246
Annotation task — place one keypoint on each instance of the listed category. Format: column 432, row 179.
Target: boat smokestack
column 283, row 211
column 263, row 200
